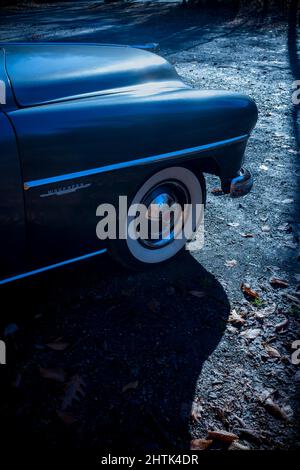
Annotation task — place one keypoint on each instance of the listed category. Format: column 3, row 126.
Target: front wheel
column 170, row 188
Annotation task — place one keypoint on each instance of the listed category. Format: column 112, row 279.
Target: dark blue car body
column 82, row 124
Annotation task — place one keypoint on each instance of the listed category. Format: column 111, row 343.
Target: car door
column 12, row 217
column 12, row 223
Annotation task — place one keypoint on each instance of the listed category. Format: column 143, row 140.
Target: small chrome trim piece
column 52, row 266
column 130, row 163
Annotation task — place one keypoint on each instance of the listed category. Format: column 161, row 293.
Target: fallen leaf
column 237, row 446
column 249, row 434
column 197, row 293
column 275, row 410
column 236, row 318
column 130, row 386
column 154, row 306
column 265, row 228
column 247, row 235
column 288, row 201
column 248, row 292
column 292, row 298
column 53, row 374
column 263, row 167
column 232, row 329
column 271, row 351
column 259, row 316
column 282, row 326
column 217, row 192
column 291, row 245
column 67, row 418
column 57, row 345
column 251, row 333
column 223, row 436
column 233, row 224
column 200, row 444
column 264, row 312
column 284, row 227
column 74, row 390
column 280, row 283
column 196, row 412
column 265, row 394
column 269, row 309
column 231, row 263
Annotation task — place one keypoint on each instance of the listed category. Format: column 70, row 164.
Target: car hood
column 45, row 73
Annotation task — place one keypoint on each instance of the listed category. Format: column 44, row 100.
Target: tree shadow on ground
column 169, row 24
column 137, row 341
column 294, row 62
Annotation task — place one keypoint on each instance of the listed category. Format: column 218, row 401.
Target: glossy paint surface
column 93, row 123
column 12, row 220
column 47, row 73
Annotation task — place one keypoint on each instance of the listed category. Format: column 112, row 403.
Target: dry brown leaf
column 232, row 329
column 288, row 201
column 290, row 244
column 236, row 318
column 217, row 191
column 67, row 418
column 272, row 351
column 263, row 167
column 276, row 282
column 57, row 345
column 268, row 310
column 264, row 312
column 246, row 235
column 251, row 333
column 248, row 292
column 233, row 224
column 74, row 391
column 230, row 263
column 130, row 386
column 196, row 412
column 275, row 410
column 223, row 436
column 282, row 326
column 283, row 227
column 197, row 293
column 154, row 306
column 237, row 446
column 53, row 374
column 249, row 434
column 200, row 444
column 292, row 298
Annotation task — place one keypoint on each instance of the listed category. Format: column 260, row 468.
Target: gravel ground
column 103, row 358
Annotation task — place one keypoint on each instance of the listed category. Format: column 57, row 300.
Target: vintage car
column 82, row 124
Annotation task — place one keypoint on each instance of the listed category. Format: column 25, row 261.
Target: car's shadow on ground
column 137, row 341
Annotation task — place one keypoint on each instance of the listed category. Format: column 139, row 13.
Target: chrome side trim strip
column 130, row 163
column 52, row 266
